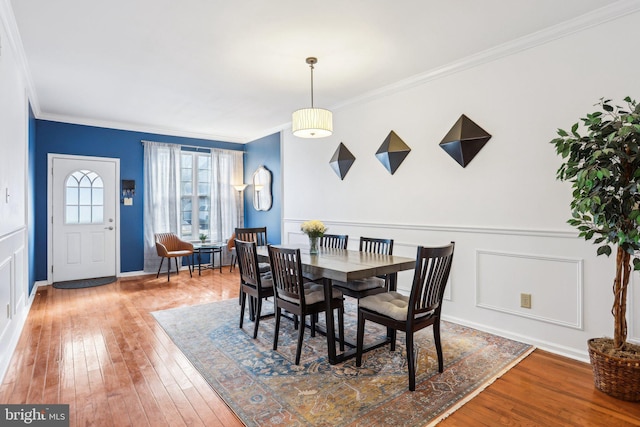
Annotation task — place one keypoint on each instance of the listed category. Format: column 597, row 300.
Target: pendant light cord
column 311, row 66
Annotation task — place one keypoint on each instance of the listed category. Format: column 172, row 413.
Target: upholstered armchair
column 170, row 246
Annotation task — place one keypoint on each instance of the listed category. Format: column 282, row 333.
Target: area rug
column 265, row 387
column 84, row 283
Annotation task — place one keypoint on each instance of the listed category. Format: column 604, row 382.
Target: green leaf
column 604, row 250
column 636, row 264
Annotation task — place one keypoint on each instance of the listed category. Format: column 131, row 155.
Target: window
column 195, row 194
column 84, row 198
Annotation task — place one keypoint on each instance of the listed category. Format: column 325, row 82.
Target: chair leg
column 158, row 273
column 360, row 339
column 341, row 327
column 277, row 328
column 242, row 306
column 436, row 337
column 392, row 336
column 411, row 361
column 168, row 268
column 257, row 315
column 190, row 263
column 252, row 308
column 300, row 338
column 313, row 325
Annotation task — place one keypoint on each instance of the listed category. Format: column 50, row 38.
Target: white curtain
column 161, row 197
column 227, row 206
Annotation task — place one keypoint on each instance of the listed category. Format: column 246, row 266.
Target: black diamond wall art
column 464, row 140
column 342, row 160
column 392, row 152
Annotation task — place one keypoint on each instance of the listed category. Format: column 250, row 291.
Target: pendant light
column 312, row 122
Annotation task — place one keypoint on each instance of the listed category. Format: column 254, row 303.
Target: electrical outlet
column 525, row 300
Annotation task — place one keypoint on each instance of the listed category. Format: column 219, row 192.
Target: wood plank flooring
column 100, row 350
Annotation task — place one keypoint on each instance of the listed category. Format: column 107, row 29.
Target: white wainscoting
column 14, row 304
column 502, row 276
column 6, row 291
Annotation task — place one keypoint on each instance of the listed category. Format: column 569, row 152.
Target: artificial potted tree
column 603, row 165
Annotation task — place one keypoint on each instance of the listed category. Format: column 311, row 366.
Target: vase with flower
column 314, row 229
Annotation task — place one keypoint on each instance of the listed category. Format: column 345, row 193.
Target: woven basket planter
column 615, row 376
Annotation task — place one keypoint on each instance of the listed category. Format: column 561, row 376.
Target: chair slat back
column 433, row 266
column 248, row 262
column 376, row 246
column 286, row 272
column 334, row 241
column 254, row 234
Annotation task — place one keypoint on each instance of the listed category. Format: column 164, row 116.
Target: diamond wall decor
column 392, row 152
column 464, row 140
column 342, row 160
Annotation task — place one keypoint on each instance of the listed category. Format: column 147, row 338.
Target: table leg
column 220, row 259
column 200, row 263
column 331, row 335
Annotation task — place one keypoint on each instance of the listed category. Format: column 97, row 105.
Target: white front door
column 84, row 224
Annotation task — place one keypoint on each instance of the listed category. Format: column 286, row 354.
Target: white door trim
column 50, row 158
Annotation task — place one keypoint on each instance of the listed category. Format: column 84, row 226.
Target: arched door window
column 84, row 202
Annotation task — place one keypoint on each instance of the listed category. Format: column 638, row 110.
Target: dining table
column 344, row 265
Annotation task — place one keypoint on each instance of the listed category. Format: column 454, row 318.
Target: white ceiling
column 234, row 70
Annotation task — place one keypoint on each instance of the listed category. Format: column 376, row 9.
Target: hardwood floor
column 100, row 350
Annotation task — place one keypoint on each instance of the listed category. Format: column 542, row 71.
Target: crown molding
column 588, row 20
column 136, row 128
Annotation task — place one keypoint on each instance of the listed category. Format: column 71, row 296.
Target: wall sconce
column 240, row 187
column 128, row 190
column 257, row 188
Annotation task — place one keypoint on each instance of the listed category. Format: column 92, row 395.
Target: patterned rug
column 265, row 388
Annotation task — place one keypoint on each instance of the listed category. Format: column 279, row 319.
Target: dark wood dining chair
column 169, row 245
column 253, row 234
column 257, row 235
column 411, row 313
column 335, row 241
column 257, row 286
column 371, row 285
column 297, row 297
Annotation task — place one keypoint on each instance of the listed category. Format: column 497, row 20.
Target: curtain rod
column 197, row 147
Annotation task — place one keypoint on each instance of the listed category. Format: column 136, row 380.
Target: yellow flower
column 313, row 228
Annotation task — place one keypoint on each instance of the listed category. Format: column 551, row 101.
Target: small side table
column 208, row 248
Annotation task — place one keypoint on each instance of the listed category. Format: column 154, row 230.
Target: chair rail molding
column 532, row 232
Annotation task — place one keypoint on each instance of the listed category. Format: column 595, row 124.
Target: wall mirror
column 262, row 189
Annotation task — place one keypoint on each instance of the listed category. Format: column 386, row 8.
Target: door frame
column 50, row 157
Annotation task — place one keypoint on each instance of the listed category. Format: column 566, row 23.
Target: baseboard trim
column 571, row 353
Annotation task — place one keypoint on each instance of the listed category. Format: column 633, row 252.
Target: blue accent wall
column 264, row 151
column 31, row 195
column 65, row 138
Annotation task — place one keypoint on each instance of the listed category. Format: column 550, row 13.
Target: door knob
column 108, row 228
